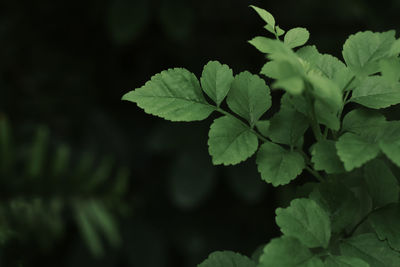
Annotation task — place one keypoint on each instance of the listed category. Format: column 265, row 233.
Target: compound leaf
column 174, row 95
column 344, row 261
column 325, row 158
column 305, row 220
column 277, row 165
column 230, row 141
column 296, row 37
column 354, row 150
column 381, row 183
column 371, row 250
column 362, row 50
column 227, row 259
column 277, row 250
column 386, row 225
column 249, row 97
column 375, row 92
column 216, row 81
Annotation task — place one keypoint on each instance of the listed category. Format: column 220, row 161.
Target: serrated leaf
column 287, row 126
column 293, row 85
column 249, row 97
column 336, row 199
column 371, row 250
column 263, row 126
column 298, row 102
column 277, row 250
column 326, row 90
column 375, row 92
column 390, row 69
column 296, row 37
column 325, row 158
column 305, row 220
column 216, row 81
column 390, row 142
column 354, row 150
column 265, row 15
column 230, row 141
column 362, row 50
column 326, row 115
column 174, row 95
column 227, row 259
column 386, row 225
column 277, row 165
column 344, row 261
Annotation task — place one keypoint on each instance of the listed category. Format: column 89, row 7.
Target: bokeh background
column 89, row 180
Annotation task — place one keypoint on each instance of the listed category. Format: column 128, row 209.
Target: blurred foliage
column 65, row 64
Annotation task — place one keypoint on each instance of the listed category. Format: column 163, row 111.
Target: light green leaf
column 326, row 115
column 344, row 261
column 305, row 220
column 230, row 141
column 287, row 126
column 376, row 92
column 296, row 37
column 216, row 81
column 249, row 97
column 390, row 142
column 279, row 31
column 381, row 183
column 276, row 50
column 277, row 250
column 263, row 126
column 326, row 90
column 325, row 158
column 362, row 51
column 277, row 165
column 336, row 199
column 390, row 69
column 174, row 95
column 265, row 15
column 227, row 259
column 354, row 150
column 279, row 70
column 371, row 250
column 293, row 85
column 386, row 225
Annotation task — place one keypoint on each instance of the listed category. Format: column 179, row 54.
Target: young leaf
column 287, row 126
column 326, row 90
column 277, row 165
column 294, row 85
column 381, row 183
column 375, row 92
column 230, row 141
column 344, row 261
column 174, row 95
column 227, row 259
column 354, row 150
column 362, row 50
column 296, row 37
column 326, row 115
column 390, row 142
column 279, row 31
column 265, row 15
column 386, row 225
column 371, row 250
column 325, row 158
column 277, row 250
column 249, row 97
column 305, row 220
column 216, row 81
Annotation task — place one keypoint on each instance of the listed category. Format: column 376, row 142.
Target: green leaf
column 174, row 95
column 38, row 152
column 277, row 165
column 230, row 141
column 249, row 97
column 344, row 261
column 386, row 225
column 227, row 259
column 287, row 126
column 326, row 90
column 326, row 115
column 389, row 69
column 375, row 92
column 305, row 220
column 279, row 31
column 390, row 142
column 296, row 37
column 216, row 81
column 381, row 183
column 362, row 51
column 276, row 49
column 325, row 158
column 293, row 85
column 263, row 126
column 277, row 251
column 265, row 15
column 336, row 199
column 354, row 150
column 371, row 250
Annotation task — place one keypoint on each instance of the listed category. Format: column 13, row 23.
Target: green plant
column 351, row 215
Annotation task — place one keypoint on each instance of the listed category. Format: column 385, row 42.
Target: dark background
column 66, row 64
